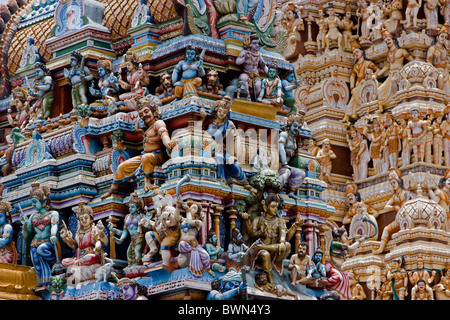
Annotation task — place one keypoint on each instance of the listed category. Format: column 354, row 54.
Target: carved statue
column 417, row 130
column 397, row 200
column 192, row 254
column 251, row 61
column 300, row 265
column 323, row 28
column 41, row 90
column 421, row 281
column 445, row 129
column 215, row 252
column 360, row 155
column 442, row 194
column 354, row 199
column 77, row 77
column 429, row 135
column 271, row 88
column 289, row 84
column 324, row 157
column 87, row 243
column 313, row 148
column 287, row 148
column 333, row 23
column 392, row 140
column 394, row 63
column 431, row 13
column 399, row 277
column 319, row 273
column 445, row 9
column 20, row 102
column 156, row 137
column 212, row 82
column 363, row 15
column 136, row 81
column 221, row 129
column 412, row 10
column 347, row 26
column 377, row 137
column 166, row 88
column 236, row 249
column 262, row 283
column 405, row 146
column 8, row 254
column 42, row 225
column 131, row 290
column 272, row 242
column 227, row 287
column 186, row 76
column 293, row 24
column 437, row 55
column 442, row 289
column 108, row 85
column 358, row 291
column 385, row 291
column 362, row 65
column 132, row 227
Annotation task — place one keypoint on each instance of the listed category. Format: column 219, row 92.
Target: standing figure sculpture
column 251, row 61
column 289, row 84
column 377, row 138
column 412, row 10
column 324, row 157
column 421, row 274
column 392, row 140
column 445, row 129
column 360, row 69
column 293, row 24
column 42, row 225
column 186, row 76
column 287, row 149
column 8, row 254
column 438, row 139
column 399, row 278
column 359, row 150
column 77, row 76
column 133, row 228
column 87, row 243
column 417, row 129
column 136, row 81
column 437, row 55
column 323, row 28
column 41, row 90
column 347, row 28
column 431, row 13
column 156, row 138
column 394, row 63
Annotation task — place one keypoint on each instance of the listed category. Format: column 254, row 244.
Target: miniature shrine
column 224, row 150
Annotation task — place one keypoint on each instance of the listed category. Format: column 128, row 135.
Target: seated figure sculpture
column 186, row 76
column 156, row 138
column 108, row 87
column 271, row 88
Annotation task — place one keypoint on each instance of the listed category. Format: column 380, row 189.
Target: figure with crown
column 6, row 233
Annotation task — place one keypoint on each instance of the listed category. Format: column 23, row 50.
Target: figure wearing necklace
column 42, row 90
column 108, row 84
column 77, row 77
column 221, row 129
column 88, row 242
column 43, row 226
column 186, row 76
column 437, row 55
column 271, row 88
column 132, row 228
column 7, row 251
column 287, row 148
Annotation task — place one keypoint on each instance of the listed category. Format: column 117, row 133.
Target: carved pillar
column 311, row 230
column 298, row 238
column 232, row 214
column 112, row 243
column 216, row 223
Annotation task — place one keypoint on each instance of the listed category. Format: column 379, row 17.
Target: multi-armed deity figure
column 133, row 228
column 421, row 274
column 137, row 80
column 156, row 139
column 7, row 251
column 43, row 226
column 108, row 83
column 251, row 61
column 88, row 244
column 186, row 76
column 399, row 278
column 269, row 229
column 77, row 76
column 287, row 149
column 394, row 62
column 42, row 90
